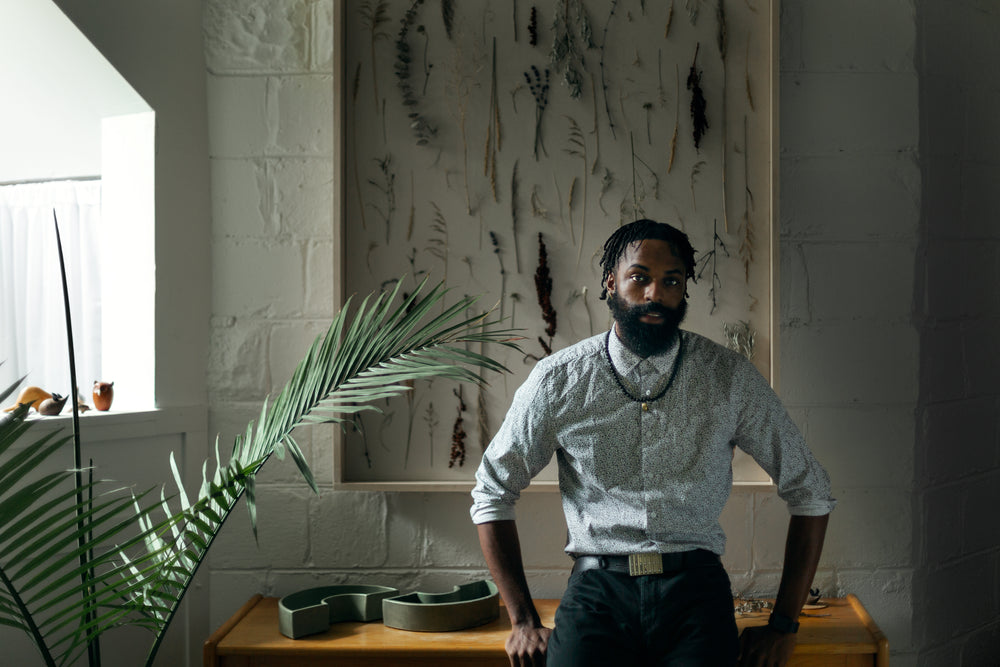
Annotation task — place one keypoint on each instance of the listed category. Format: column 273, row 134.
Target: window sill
column 98, row 426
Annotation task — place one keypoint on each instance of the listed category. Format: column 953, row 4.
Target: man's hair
column 641, row 230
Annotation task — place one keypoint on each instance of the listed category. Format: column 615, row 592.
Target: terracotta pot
column 104, row 392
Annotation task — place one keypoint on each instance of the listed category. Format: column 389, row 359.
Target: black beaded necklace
column 638, row 399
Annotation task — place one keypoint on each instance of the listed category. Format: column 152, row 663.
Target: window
column 78, row 131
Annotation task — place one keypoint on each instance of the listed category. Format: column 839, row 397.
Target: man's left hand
column 761, row 646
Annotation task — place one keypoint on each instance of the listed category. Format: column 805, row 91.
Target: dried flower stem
column 438, row 243
column 373, row 16
column 457, row 454
column 493, row 130
column 515, row 214
column 388, row 189
column 533, row 26
column 431, row 419
column 421, row 128
column 722, row 38
column 543, row 287
column 604, row 84
column 747, row 241
column 539, row 87
column 503, row 273
column 677, row 117
column 698, row 104
column 670, row 19
column 448, row 16
column 354, row 154
column 712, row 256
column 746, row 76
column 597, row 128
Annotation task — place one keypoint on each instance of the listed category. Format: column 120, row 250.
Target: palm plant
column 80, row 558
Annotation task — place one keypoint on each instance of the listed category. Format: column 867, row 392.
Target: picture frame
column 416, row 100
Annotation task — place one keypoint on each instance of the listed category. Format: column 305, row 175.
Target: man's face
column 646, row 296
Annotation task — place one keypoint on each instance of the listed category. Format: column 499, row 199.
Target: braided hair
column 640, row 230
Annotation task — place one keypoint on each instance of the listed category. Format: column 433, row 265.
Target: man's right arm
column 528, row 638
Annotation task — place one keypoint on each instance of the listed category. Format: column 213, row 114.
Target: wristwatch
column 783, row 624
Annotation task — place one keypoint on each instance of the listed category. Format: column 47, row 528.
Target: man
column 643, row 420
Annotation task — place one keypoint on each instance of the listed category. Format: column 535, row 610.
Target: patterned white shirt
column 634, row 480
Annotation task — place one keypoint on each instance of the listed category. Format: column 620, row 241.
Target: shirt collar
column 626, row 360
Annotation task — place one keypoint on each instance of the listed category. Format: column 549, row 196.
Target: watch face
column 782, row 624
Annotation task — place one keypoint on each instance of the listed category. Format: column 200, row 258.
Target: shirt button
column 648, row 392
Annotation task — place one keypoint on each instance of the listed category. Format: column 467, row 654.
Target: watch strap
column 783, row 624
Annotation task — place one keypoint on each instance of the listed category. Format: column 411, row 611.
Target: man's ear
column 609, row 284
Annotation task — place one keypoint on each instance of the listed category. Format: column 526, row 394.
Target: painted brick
column 982, row 355
column 258, row 36
column 322, row 453
column 282, row 532
column 230, row 591
column 886, row 594
column 762, row 584
column 960, row 438
column 243, row 206
column 863, row 446
column 319, row 279
column 794, row 286
column 542, row 529
column 861, row 113
column 983, row 646
column 770, row 527
column 870, row 528
column 304, row 115
column 979, row 208
column 237, row 368
column 942, row 372
column 954, row 270
column 948, row 655
column 942, row 523
column 450, row 537
column 348, row 529
column 791, row 35
column 849, row 363
column 254, row 278
column 823, row 198
column 545, row 584
column 871, row 281
column 303, row 193
column 237, row 118
column 959, row 602
column 405, row 529
column 981, row 528
column 737, row 523
column 288, row 345
column 321, row 44
column 858, row 35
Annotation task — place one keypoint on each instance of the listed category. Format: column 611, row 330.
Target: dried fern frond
column 448, row 16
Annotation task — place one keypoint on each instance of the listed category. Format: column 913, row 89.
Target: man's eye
column 639, row 278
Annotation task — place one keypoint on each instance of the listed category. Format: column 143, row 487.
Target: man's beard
column 644, row 338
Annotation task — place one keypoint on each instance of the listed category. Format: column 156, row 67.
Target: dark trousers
column 677, row 619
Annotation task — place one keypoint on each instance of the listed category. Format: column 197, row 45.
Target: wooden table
column 848, row 637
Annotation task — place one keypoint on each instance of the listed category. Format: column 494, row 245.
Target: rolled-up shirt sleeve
column 518, row 452
column 768, row 434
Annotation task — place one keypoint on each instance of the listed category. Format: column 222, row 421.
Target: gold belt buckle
column 647, row 563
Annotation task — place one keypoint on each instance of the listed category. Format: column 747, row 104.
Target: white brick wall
column 850, row 207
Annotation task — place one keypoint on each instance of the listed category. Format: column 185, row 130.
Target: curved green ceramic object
column 466, row 606
column 315, row 609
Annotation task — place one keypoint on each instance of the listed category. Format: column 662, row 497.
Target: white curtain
column 32, row 314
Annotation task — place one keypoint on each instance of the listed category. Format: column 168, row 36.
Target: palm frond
column 148, row 550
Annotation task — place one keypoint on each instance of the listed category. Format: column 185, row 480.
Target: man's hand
column 761, row 646
column 526, row 645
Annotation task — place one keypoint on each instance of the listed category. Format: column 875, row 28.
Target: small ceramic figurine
column 52, row 406
column 103, row 393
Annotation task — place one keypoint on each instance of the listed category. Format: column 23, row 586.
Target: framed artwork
column 496, row 144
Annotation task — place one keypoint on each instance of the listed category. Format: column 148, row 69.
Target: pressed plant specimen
column 388, row 189
column 712, row 258
column 543, row 288
column 457, row 454
column 699, row 117
column 538, row 84
column 373, row 16
column 423, row 130
column 571, row 35
column 604, row 81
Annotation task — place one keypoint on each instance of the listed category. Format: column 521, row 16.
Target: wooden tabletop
column 251, row 637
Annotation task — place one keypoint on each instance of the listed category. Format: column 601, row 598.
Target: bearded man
column 642, row 420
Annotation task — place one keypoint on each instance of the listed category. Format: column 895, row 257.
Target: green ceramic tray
column 466, row 606
column 313, row 610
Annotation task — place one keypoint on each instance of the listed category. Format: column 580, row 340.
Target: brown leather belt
column 646, row 563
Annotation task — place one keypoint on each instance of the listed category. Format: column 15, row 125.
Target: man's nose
column 655, row 292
